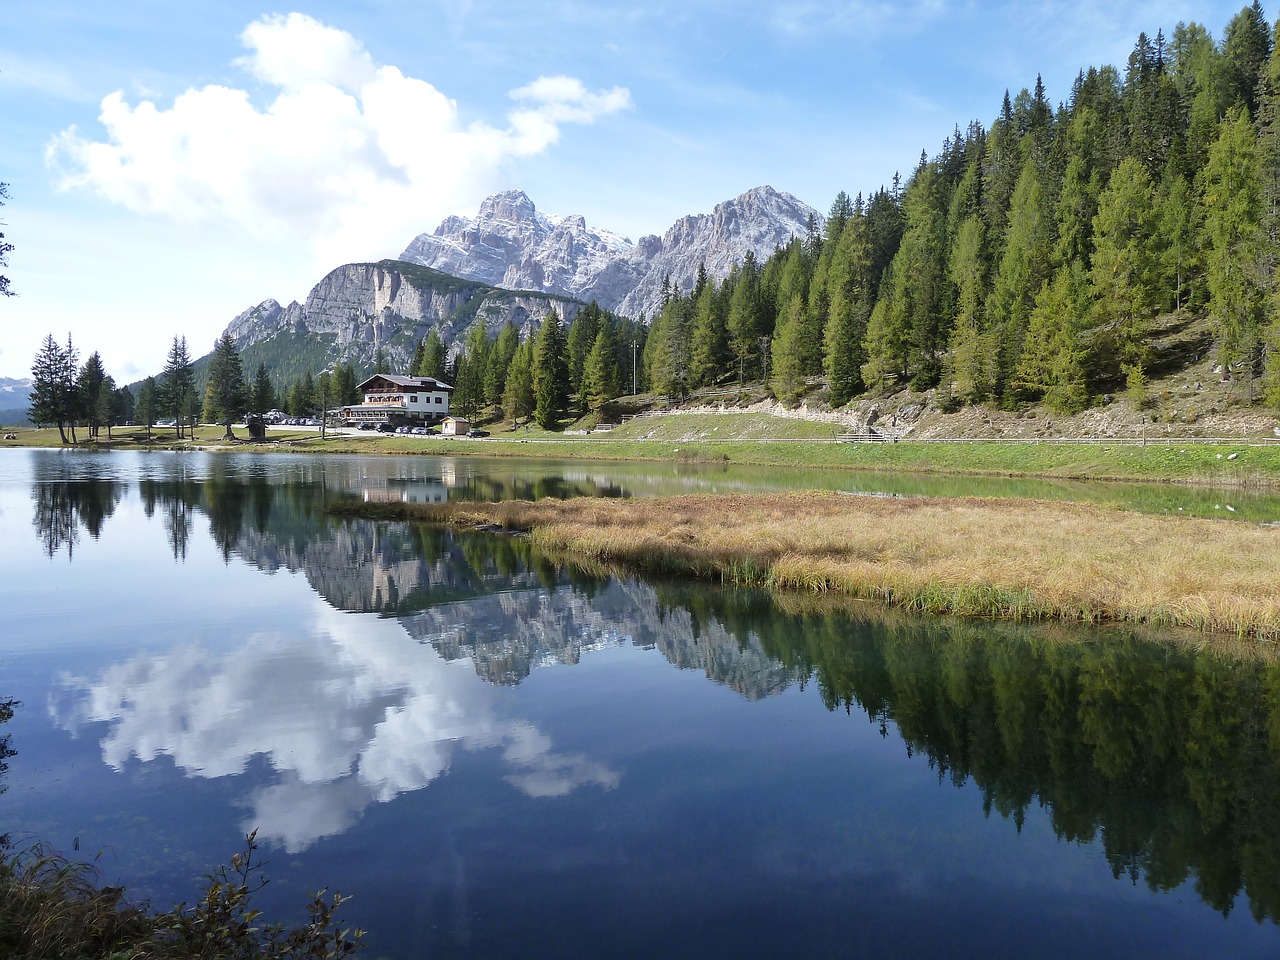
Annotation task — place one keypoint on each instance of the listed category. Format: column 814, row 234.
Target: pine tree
column 1052, row 363
column 849, row 284
column 146, row 406
column 600, row 375
column 178, row 388
column 518, row 395
column 1231, row 199
column 709, row 337
column 263, row 395
column 788, row 383
column 746, row 320
column 550, row 373
column 578, row 343
column 89, row 387
column 500, row 355
column 432, row 362
column 227, row 394
column 50, row 396
column 1024, row 268
column 970, row 372
column 1125, row 264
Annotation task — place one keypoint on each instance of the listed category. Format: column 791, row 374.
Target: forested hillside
column 1032, row 260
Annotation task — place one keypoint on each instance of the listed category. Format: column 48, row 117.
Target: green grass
column 666, row 439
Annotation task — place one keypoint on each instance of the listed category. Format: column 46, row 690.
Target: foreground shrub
column 52, row 908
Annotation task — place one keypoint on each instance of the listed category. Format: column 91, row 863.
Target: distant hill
column 15, row 398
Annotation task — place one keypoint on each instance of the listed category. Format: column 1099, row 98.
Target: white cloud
column 350, row 157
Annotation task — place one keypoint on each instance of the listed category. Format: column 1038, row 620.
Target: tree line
column 1027, row 261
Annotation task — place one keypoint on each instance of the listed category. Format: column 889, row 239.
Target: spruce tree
column 227, row 393
column 550, row 373
column 178, row 387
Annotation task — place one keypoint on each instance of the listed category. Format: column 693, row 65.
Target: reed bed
column 1010, row 559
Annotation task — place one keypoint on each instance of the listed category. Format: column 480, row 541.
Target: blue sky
column 173, row 163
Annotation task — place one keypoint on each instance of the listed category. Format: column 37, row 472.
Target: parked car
column 365, row 426
column 477, row 433
column 420, row 431
column 386, row 428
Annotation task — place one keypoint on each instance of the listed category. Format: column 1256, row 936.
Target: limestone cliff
column 361, row 307
column 511, row 244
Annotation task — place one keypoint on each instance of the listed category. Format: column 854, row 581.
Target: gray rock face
column 361, row 307
column 511, row 244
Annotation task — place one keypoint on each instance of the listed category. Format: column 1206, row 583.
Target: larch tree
column 1231, row 199
column 1126, row 260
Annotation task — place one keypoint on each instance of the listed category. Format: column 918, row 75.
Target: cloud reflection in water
column 347, row 712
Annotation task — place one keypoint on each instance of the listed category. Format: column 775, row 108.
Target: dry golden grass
column 970, row 557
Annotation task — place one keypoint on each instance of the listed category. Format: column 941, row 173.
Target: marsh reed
column 1009, row 559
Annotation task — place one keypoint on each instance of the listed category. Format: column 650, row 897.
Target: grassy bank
column 1017, row 560
column 1237, row 464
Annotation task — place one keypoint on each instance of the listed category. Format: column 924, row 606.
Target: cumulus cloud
column 351, row 156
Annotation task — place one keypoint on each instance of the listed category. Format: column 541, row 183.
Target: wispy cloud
column 350, row 156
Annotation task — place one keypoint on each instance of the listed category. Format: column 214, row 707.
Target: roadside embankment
column 1010, row 559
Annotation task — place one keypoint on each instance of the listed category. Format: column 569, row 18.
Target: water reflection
column 344, row 712
column 1166, row 757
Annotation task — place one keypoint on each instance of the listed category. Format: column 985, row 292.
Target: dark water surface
column 497, row 758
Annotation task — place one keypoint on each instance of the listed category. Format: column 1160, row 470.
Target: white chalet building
column 401, row 401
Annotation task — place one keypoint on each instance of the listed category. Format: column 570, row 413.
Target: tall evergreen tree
column 500, row 356
column 1232, row 202
column 90, row 384
column 1126, row 263
column 1052, row 364
column 227, row 397
column 518, row 396
column 51, row 400
column 1024, row 268
column 550, row 373
column 179, row 385
column 148, row 403
column 431, row 363
column 971, row 371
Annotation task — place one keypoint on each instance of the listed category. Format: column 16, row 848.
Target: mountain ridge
column 510, row 243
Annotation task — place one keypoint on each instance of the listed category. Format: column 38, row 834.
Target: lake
column 497, row 757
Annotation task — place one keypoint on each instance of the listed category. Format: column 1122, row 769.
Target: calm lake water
column 497, row 758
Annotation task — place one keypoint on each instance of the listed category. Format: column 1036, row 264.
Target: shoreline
column 1237, row 465
column 1016, row 560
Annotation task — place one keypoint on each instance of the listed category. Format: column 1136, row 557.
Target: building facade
column 400, row 401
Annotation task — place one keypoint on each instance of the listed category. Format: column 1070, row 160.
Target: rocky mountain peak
column 513, row 206
column 511, row 244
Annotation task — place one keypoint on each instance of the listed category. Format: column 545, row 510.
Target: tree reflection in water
column 1165, row 754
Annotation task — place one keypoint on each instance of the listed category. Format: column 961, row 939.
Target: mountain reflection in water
column 1165, row 755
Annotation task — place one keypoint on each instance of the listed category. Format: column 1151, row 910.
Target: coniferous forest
column 1029, row 261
